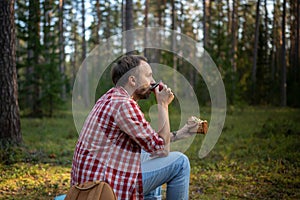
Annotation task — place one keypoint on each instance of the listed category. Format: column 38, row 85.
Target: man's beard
column 142, row 95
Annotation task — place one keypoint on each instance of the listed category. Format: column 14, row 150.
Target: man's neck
column 130, row 92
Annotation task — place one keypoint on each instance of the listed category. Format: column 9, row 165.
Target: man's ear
column 132, row 81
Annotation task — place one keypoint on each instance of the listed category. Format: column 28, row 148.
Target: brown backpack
column 92, row 190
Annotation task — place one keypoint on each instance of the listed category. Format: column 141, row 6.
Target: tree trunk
column 297, row 40
column 283, row 59
column 204, row 25
column 255, row 50
column 174, row 43
column 123, row 15
column 62, row 67
column 75, row 53
column 161, row 13
column 108, row 23
column 228, row 17
column 146, row 25
column 267, row 28
column 208, row 21
column 129, row 25
column 123, row 23
column 233, row 56
column 274, row 45
column 98, row 11
column 83, row 44
column 9, row 110
column 233, row 36
column 294, row 49
column 297, row 46
column 83, row 55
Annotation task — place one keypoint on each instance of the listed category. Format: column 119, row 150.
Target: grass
column 257, row 157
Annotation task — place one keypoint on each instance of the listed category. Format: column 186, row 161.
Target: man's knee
column 184, row 160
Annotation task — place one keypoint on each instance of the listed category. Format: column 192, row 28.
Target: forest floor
column 256, row 157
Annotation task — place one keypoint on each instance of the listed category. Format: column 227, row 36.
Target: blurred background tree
column 255, row 45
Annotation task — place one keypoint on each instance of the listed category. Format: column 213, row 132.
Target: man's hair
column 123, row 68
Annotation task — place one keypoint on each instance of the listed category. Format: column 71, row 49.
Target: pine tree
column 10, row 131
column 33, row 68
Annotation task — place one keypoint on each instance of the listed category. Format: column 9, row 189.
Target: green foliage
column 51, row 82
column 104, row 84
column 40, row 77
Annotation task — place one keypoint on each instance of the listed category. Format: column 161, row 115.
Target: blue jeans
column 174, row 170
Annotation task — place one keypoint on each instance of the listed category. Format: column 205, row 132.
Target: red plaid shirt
column 110, row 144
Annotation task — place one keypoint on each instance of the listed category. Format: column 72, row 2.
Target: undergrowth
column 256, row 157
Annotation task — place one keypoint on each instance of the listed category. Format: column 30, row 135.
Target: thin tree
column 98, row 12
column 146, row 25
column 48, row 54
column 204, row 25
column 129, row 25
column 283, row 59
column 297, row 41
column 83, row 44
column 294, row 51
column 254, row 65
column 107, row 31
column 74, row 40
column 266, row 25
column 208, row 20
column 83, row 55
column 62, row 66
column 275, row 42
column 233, row 36
column 174, row 41
column 10, row 129
column 123, row 22
column 233, row 58
column 228, row 17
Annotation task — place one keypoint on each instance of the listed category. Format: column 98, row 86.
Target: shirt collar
column 122, row 90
